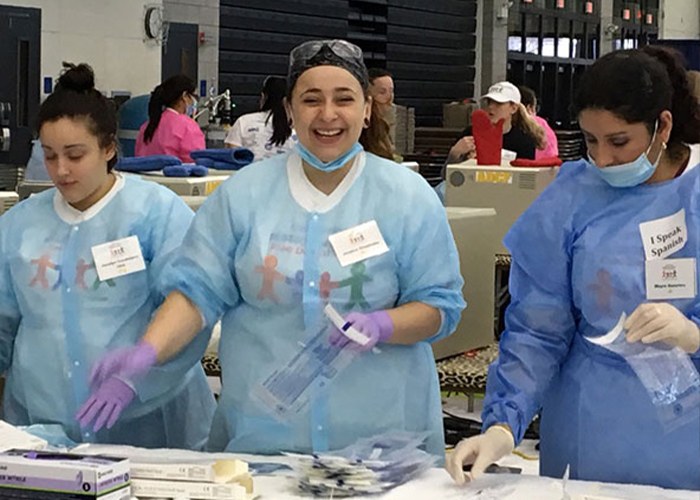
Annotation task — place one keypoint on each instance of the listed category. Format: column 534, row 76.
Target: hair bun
column 78, row 78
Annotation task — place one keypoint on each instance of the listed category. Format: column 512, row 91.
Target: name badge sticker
column 358, row 243
column 671, row 279
column 664, row 237
column 118, row 258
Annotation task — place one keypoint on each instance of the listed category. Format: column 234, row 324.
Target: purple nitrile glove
column 377, row 326
column 128, row 363
column 106, row 404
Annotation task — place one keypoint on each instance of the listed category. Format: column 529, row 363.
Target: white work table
column 433, row 484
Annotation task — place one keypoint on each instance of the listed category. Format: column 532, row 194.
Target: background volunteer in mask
column 170, row 129
column 258, row 253
column 580, row 259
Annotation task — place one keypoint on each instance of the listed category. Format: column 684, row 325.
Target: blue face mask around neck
column 633, row 173
column 330, row 166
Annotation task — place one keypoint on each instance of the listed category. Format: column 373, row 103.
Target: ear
column 288, row 109
column 665, row 125
column 368, row 109
column 111, row 150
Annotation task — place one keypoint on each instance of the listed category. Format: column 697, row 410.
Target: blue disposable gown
column 57, row 318
column 252, row 226
column 578, row 263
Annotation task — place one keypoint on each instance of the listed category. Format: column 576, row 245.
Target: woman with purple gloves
column 81, row 265
column 327, row 223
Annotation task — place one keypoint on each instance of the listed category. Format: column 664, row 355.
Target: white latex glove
column 481, row 451
column 661, row 322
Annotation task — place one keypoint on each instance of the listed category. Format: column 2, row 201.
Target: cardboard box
column 22, row 494
column 207, row 471
column 62, row 475
column 186, row 489
column 458, row 114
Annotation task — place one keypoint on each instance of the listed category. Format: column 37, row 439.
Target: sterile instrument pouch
column 287, row 390
column 667, row 373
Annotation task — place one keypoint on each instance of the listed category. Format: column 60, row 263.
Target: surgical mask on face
column 633, row 173
column 192, row 108
column 330, row 166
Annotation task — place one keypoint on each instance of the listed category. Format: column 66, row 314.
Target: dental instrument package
column 370, row 466
column 668, row 375
column 287, row 390
column 46, row 475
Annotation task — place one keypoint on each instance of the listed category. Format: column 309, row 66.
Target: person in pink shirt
column 529, row 100
column 170, row 130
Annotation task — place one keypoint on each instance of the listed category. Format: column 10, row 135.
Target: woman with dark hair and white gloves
column 618, row 233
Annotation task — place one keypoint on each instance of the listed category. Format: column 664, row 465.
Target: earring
column 366, row 122
column 663, row 145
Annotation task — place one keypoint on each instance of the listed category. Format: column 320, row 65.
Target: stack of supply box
column 201, row 480
column 404, row 129
column 44, row 475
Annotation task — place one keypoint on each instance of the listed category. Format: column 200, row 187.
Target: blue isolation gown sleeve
column 540, row 321
column 170, row 218
column 169, row 226
column 203, row 269
column 9, row 308
column 695, row 318
column 429, row 264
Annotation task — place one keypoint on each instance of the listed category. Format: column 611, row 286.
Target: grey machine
column 509, row 190
column 472, row 229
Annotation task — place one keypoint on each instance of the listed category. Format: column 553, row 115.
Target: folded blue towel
column 185, row 170
column 217, row 165
column 205, row 162
column 197, row 170
column 235, row 157
column 146, row 163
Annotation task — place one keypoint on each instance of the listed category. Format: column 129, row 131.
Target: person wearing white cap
column 521, row 134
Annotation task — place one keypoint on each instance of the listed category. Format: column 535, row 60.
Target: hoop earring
column 365, row 123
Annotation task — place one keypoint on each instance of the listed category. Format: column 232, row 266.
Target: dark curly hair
column 638, row 85
column 75, row 96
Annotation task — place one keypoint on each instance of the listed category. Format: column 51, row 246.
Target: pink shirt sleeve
column 192, row 140
column 552, row 148
column 176, row 135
